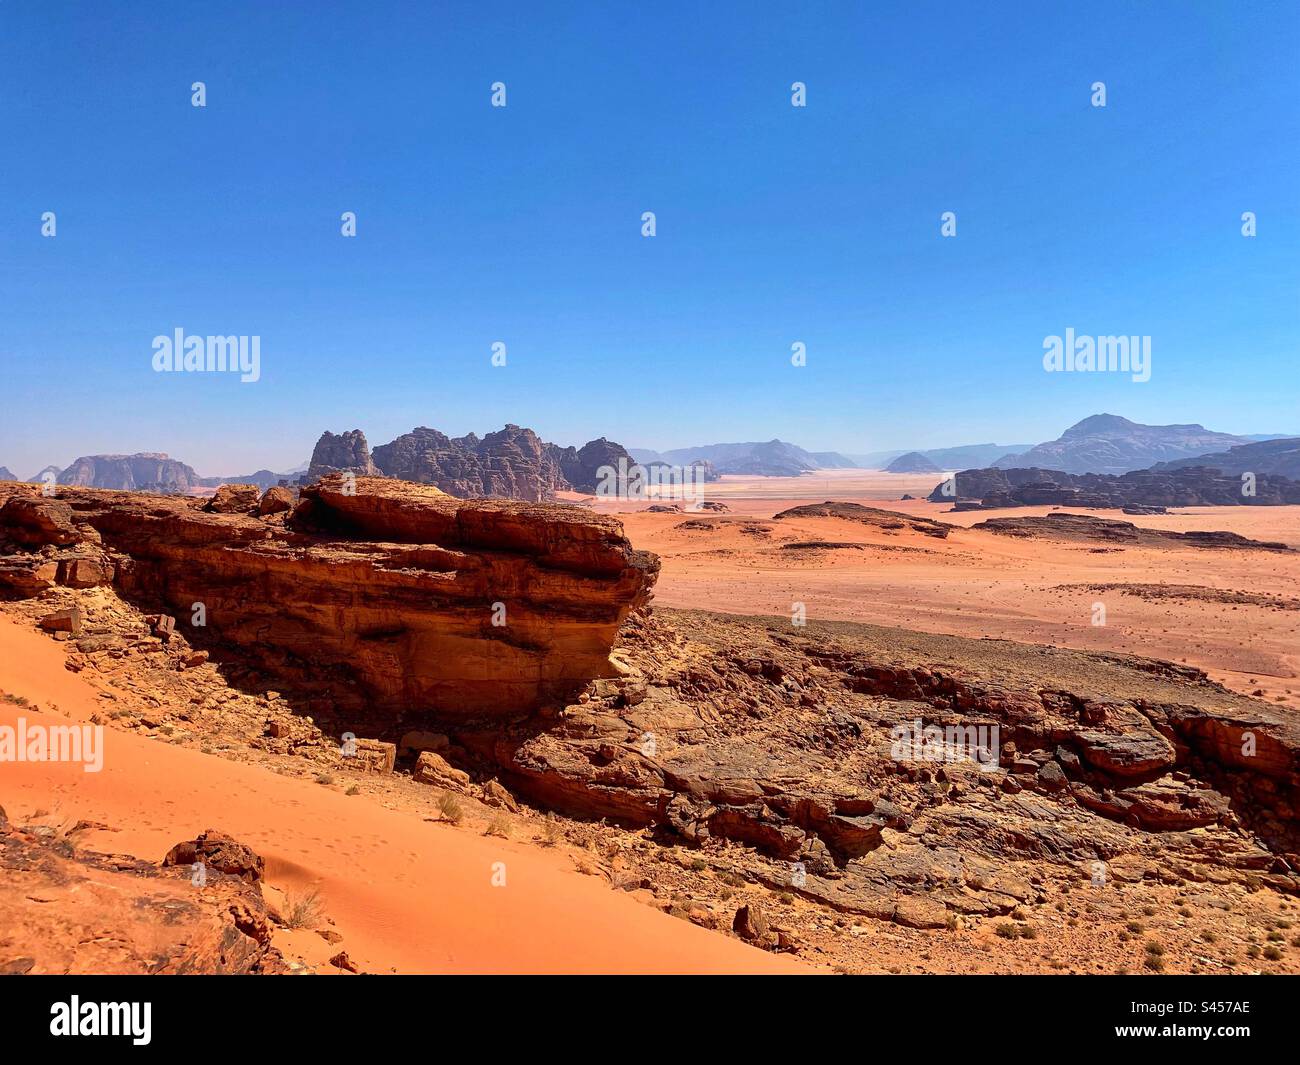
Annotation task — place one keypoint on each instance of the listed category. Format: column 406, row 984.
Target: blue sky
column 522, row 224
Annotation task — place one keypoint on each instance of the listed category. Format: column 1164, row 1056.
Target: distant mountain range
column 1277, row 456
column 517, row 464
column 946, row 458
column 772, row 458
column 1107, row 443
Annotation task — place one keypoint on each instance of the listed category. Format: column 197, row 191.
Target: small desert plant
column 1155, row 963
column 1007, row 930
column 354, row 790
column 499, row 826
column 1135, row 927
column 1148, row 911
column 450, row 807
column 324, row 778
column 551, row 831
column 1272, row 954
column 1155, row 949
column 698, row 866
column 303, row 910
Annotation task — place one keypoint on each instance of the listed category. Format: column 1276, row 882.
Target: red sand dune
column 408, row 895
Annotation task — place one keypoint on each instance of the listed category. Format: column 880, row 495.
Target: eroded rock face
column 782, row 739
column 514, row 463
column 511, row 464
column 341, row 452
column 57, row 900
column 378, row 595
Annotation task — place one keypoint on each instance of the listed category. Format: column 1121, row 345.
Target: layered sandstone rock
column 376, row 595
column 784, row 740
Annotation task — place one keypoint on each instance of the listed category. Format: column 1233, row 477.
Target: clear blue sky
column 522, row 224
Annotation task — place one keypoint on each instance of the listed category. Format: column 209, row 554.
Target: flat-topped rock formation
column 1192, row 486
column 888, row 520
column 372, row 592
column 1084, row 528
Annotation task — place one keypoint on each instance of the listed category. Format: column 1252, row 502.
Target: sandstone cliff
column 392, row 599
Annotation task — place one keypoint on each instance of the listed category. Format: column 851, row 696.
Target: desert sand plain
column 975, row 583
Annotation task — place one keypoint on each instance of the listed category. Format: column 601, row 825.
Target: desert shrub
column 303, row 911
column 450, row 807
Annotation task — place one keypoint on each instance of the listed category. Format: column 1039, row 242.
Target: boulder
column 233, row 499
column 218, row 851
column 275, row 500
column 66, row 620
column 433, row 769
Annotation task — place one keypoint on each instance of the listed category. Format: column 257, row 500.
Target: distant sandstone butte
column 1193, row 486
column 514, row 463
column 5, row 475
column 378, row 602
column 143, row 471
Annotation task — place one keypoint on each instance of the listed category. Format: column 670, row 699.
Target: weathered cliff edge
column 378, row 594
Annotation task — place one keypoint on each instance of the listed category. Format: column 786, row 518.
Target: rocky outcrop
column 887, row 520
column 1193, row 486
column 784, row 740
column 514, row 463
column 58, row 899
column 376, row 597
column 5, row 475
column 343, row 453
column 511, row 464
column 1084, row 528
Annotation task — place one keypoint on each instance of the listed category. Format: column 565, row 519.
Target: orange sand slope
column 408, row 895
